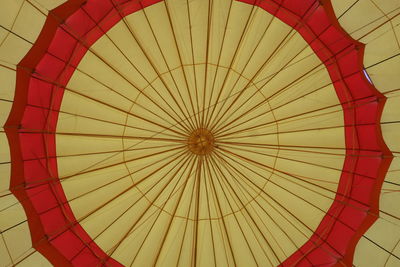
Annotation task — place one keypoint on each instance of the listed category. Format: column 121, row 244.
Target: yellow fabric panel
column 7, row 77
column 35, row 259
column 365, row 16
column 379, row 256
column 17, row 39
column 48, row 4
column 14, row 230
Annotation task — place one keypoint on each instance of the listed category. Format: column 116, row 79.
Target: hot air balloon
column 199, row 133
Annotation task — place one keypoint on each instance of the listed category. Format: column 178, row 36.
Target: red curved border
column 356, row 205
column 47, row 68
column 41, row 78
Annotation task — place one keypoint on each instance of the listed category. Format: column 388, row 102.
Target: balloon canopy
column 199, row 133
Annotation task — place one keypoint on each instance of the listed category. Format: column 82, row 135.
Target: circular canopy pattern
column 209, row 133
